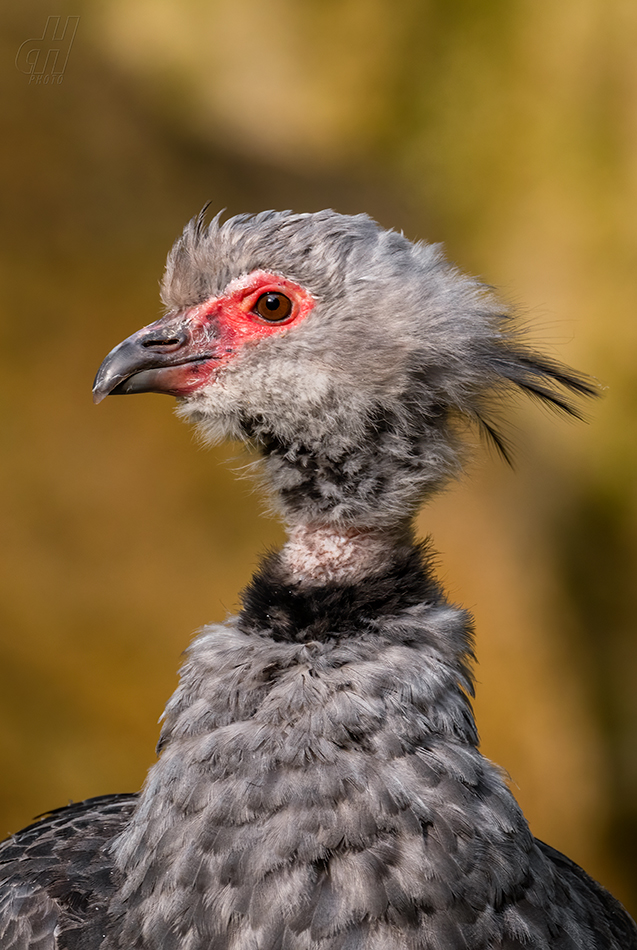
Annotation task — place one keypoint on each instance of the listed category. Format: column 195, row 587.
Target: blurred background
column 505, row 129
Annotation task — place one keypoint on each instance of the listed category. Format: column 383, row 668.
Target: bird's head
column 345, row 353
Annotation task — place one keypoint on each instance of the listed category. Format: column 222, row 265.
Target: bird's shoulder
column 611, row 925
column 56, row 876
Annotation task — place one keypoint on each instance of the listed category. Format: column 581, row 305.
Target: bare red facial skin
column 184, row 351
column 226, row 324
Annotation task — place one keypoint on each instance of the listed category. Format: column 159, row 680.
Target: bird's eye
column 273, row 306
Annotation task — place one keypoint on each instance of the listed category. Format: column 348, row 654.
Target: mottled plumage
column 56, row 876
column 319, row 785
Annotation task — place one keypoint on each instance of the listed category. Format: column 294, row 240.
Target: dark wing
column 613, row 927
column 56, row 876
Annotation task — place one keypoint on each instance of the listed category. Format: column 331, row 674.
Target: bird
column 319, row 783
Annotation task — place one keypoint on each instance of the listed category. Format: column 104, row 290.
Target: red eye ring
column 273, row 306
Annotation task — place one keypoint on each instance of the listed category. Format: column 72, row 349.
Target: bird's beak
column 169, row 356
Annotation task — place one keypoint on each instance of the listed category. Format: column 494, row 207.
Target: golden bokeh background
column 504, row 128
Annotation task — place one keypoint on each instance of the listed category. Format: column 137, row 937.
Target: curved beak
column 165, row 357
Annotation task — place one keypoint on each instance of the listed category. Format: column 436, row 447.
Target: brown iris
column 273, row 306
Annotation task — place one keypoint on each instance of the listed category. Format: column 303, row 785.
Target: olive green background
column 506, row 129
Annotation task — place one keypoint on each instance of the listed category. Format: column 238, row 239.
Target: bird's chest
column 306, row 807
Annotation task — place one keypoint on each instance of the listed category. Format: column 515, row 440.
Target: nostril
column 165, row 344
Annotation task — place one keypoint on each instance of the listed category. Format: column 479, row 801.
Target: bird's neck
column 317, row 554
